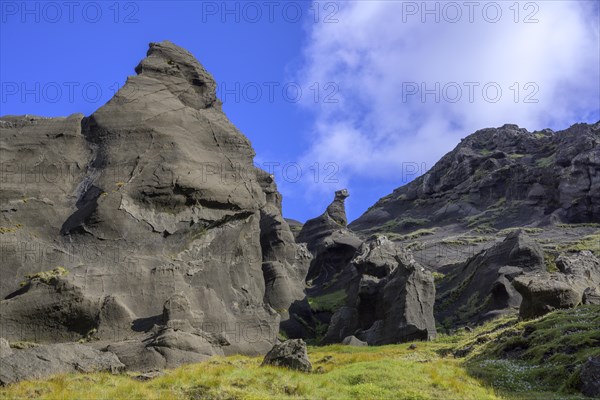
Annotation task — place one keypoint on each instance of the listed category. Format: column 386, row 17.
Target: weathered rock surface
column 289, row 354
column 354, row 341
column 285, row 263
column 385, row 296
column 500, row 177
column 578, row 275
column 329, row 240
column 5, row 349
column 591, row 296
column 590, row 377
column 331, row 246
column 152, row 199
column 481, row 287
column 54, row 310
column 393, row 298
column 45, row 360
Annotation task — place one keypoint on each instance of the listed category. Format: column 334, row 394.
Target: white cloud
column 371, row 54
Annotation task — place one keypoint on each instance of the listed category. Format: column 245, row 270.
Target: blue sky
column 380, row 81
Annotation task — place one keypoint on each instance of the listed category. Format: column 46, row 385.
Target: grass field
column 504, row 359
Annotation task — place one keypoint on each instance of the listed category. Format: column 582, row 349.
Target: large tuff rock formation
column 499, row 178
column 481, row 287
column 153, row 195
column 371, row 289
column 329, row 240
column 578, row 277
column 390, row 299
column 285, row 263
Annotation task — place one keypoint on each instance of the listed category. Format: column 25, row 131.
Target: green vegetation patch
column 543, row 355
column 467, row 240
column 582, row 225
column 589, row 242
column 502, row 359
column 545, row 162
column 328, row 302
column 530, row 231
column 418, row 233
column 10, row 229
column 47, row 277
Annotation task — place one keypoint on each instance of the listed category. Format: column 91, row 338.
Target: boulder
column 591, row 296
column 289, row 354
column 578, row 277
column 353, row 341
column 42, row 361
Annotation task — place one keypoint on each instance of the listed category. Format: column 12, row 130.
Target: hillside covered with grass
column 503, row 359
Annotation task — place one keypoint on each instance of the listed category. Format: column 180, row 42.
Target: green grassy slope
column 504, row 359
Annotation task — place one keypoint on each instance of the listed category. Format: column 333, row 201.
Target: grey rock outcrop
column 331, row 246
column 152, row 195
column 343, row 323
column 289, row 354
column 171, row 342
column 385, row 295
column 591, row 296
column 394, row 296
column 43, row 361
column 500, row 177
column 330, row 242
column 5, row 349
column 354, row 341
column 481, row 288
column 285, row 263
column 578, row 275
column 590, row 377
column 48, row 311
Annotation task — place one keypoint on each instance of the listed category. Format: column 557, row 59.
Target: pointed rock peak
column 337, row 209
column 181, row 73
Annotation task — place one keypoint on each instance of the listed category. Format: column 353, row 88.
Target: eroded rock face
column 385, row 296
column 154, row 194
column 393, row 299
column 500, row 177
column 289, row 354
column 46, row 360
column 285, row 263
column 481, row 288
column 328, row 239
column 578, row 277
column 332, row 246
column 5, row 349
